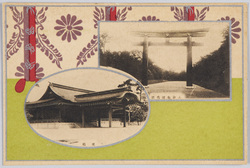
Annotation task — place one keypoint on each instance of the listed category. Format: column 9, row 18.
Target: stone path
column 178, row 90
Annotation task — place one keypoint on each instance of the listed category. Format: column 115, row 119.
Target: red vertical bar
column 113, row 13
column 191, row 15
column 32, row 25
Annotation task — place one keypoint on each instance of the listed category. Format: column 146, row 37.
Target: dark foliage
column 125, row 61
column 138, row 112
column 131, row 62
column 174, row 76
column 212, row 71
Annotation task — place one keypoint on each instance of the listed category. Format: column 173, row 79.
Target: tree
column 104, row 38
column 212, row 71
column 131, row 62
column 137, row 112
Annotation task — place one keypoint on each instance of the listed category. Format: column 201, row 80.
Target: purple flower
column 234, row 28
column 68, row 27
column 21, row 70
column 149, row 18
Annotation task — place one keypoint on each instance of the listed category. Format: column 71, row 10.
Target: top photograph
column 172, row 60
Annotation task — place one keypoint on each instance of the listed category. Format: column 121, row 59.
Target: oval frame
column 113, row 70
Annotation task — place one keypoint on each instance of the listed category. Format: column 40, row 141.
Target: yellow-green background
column 175, row 130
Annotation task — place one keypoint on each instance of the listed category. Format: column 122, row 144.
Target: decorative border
column 146, row 161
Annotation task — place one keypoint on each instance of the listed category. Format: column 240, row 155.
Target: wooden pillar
column 99, row 120
column 124, row 122
column 110, row 117
column 60, row 115
column 145, row 62
column 189, row 61
column 128, row 118
column 83, row 119
column 36, row 115
column 60, row 110
column 42, row 115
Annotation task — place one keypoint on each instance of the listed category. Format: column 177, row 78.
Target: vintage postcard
column 87, row 83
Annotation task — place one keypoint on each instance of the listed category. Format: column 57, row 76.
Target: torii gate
column 170, row 34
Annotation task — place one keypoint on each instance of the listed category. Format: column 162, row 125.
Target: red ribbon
column 113, row 13
column 191, row 15
column 29, row 48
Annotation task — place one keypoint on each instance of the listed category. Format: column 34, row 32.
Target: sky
column 174, row 58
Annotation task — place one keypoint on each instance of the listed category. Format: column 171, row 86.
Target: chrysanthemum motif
column 21, row 70
column 68, row 27
column 234, row 28
column 149, row 18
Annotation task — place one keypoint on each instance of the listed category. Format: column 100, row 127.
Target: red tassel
column 20, row 85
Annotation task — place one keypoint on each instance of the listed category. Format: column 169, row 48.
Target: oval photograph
column 87, row 107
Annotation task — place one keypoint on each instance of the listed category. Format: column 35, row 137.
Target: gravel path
column 178, row 88
column 87, row 137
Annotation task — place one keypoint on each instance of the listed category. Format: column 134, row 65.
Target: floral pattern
column 69, row 27
column 149, row 18
column 235, row 29
column 121, row 14
column 43, row 42
column 200, row 15
column 15, row 42
column 20, row 70
column 179, row 13
column 98, row 16
column 87, row 51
